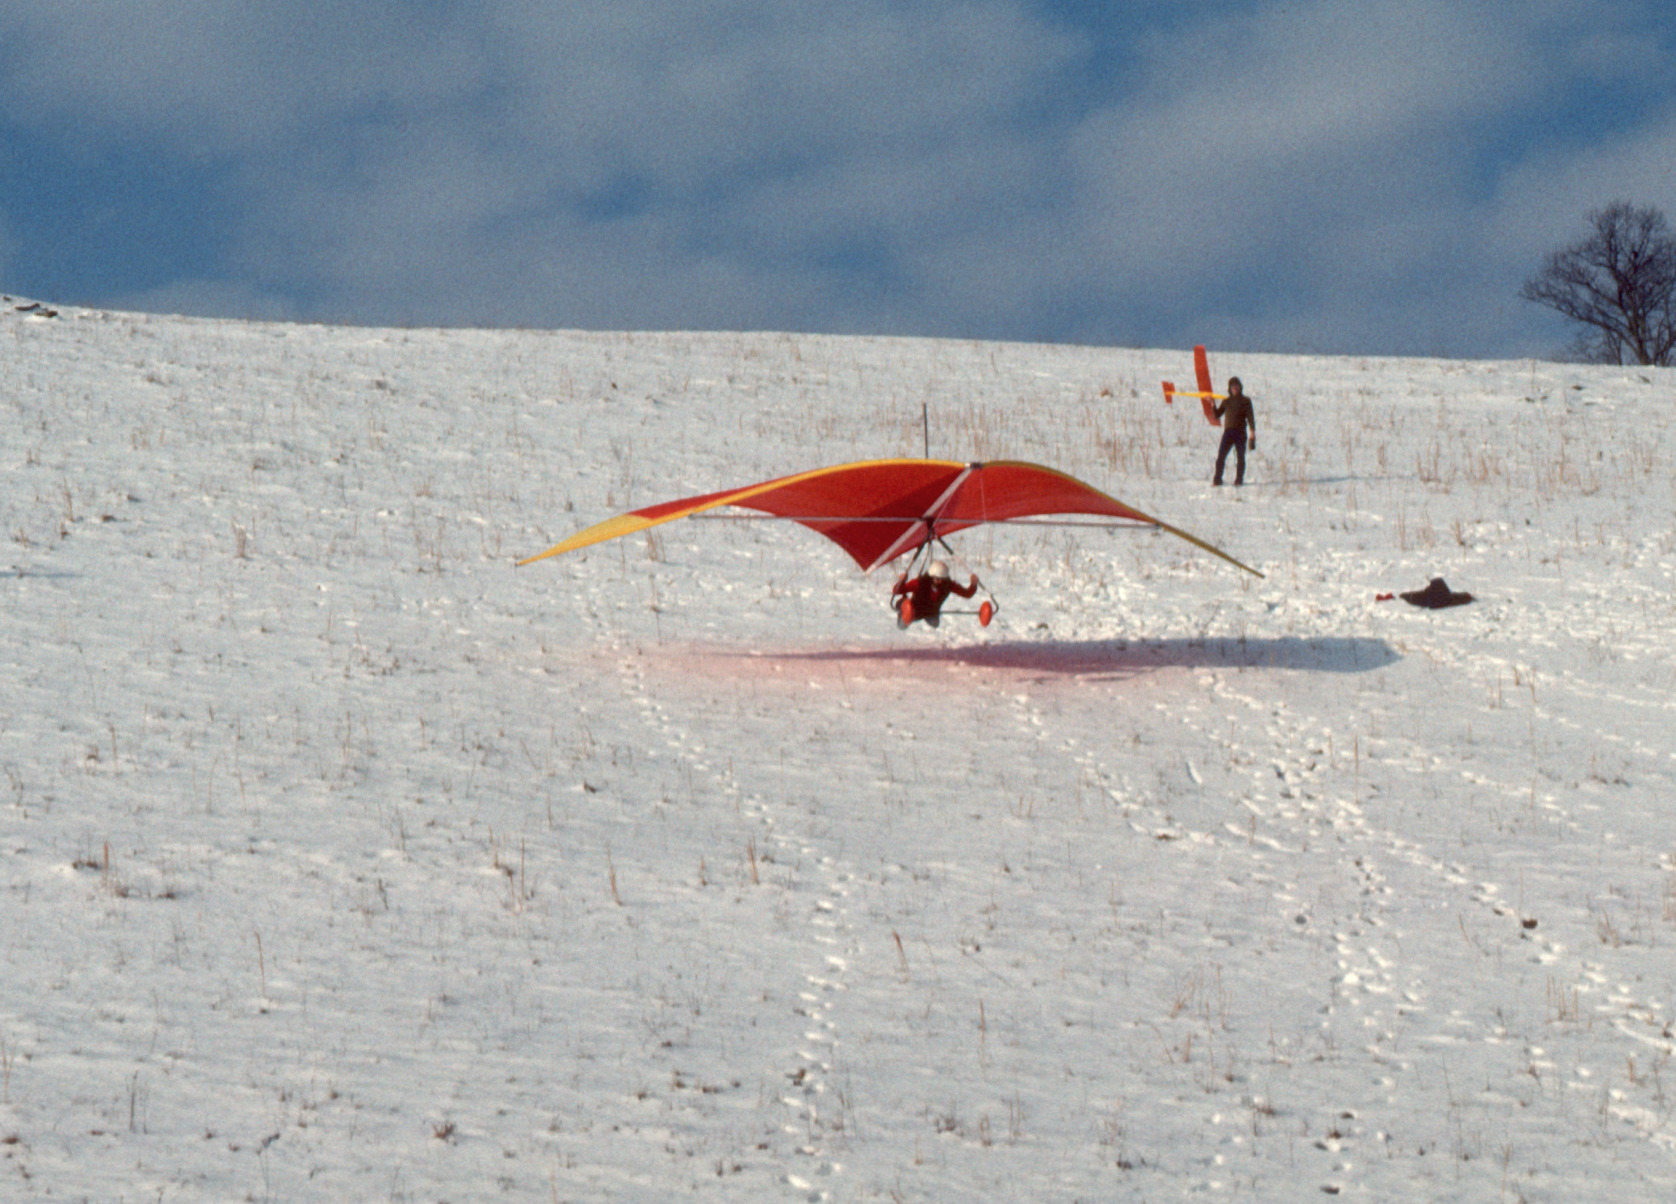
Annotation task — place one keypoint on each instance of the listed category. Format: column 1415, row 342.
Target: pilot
column 922, row 597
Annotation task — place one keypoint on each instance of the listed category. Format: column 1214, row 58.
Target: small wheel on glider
column 905, row 612
column 986, row 612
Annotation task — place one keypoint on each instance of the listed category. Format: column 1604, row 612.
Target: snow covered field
column 341, row 860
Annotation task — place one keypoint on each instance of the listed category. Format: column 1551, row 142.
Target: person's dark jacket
column 1237, row 415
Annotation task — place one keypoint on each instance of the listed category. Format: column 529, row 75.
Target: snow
column 341, row 860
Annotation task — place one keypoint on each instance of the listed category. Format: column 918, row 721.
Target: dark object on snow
column 1436, row 596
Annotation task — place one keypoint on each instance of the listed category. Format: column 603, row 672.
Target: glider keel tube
column 876, row 510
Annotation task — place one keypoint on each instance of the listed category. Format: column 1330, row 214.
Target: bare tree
column 1619, row 283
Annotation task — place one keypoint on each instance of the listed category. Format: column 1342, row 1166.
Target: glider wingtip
column 552, row 551
column 1240, row 564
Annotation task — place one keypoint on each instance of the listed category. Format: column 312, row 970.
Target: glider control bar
column 1112, row 524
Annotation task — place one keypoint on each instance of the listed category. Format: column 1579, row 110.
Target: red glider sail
column 877, row 510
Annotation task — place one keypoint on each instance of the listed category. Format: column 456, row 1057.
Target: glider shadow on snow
column 1127, row 657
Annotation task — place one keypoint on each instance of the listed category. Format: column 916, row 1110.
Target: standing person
column 1237, row 418
column 922, row 598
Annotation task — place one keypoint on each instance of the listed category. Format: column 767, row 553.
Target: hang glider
column 1207, row 394
column 879, row 510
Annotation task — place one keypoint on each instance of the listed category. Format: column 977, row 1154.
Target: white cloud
column 209, row 299
column 1543, row 202
column 733, row 134
column 1339, row 152
column 1298, row 126
column 1312, row 174
column 224, row 78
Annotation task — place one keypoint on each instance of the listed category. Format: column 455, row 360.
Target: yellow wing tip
column 611, row 528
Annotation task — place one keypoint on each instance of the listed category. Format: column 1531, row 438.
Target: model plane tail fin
column 1206, row 393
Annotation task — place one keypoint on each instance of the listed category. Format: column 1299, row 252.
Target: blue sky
column 1326, row 176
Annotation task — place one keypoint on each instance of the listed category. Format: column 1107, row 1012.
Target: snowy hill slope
column 338, row 859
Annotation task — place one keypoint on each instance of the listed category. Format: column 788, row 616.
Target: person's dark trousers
column 1234, row 439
